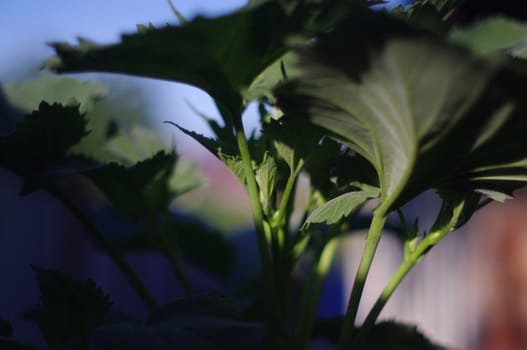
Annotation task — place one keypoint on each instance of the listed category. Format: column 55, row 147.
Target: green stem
column 311, row 296
column 372, row 240
column 282, row 268
column 98, row 237
column 439, row 231
column 171, row 252
column 286, row 196
column 369, row 323
column 261, row 234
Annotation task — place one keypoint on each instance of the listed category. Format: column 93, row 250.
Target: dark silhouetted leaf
column 42, row 138
column 221, row 56
column 70, row 310
column 386, row 335
column 194, row 323
column 141, row 189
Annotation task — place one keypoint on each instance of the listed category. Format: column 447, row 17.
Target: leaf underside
column 426, row 114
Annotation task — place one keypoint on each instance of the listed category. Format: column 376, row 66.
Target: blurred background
column 470, row 292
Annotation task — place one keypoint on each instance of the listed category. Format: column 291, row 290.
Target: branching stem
column 274, row 318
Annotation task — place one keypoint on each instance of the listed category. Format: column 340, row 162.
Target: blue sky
column 27, row 25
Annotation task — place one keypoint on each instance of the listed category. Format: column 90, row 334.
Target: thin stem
column 311, row 295
column 288, row 190
column 98, row 237
column 171, row 253
column 282, row 268
column 369, row 323
column 372, row 240
column 261, row 234
column 175, row 262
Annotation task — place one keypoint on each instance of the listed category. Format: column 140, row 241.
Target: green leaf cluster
column 368, row 105
column 424, row 113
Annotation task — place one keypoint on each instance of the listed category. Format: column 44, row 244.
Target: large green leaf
column 424, row 113
column 28, row 94
column 221, row 55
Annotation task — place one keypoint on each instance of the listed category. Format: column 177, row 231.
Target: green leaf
column 267, row 179
column 280, row 71
column 292, row 139
column 186, row 178
column 43, row 138
column 27, row 95
column 218, row 55
column 224, row 150
column 424, row 113
column 134, row 144
column 70, row 310
column 334, row 210
column 497, row 33
column 138, row 190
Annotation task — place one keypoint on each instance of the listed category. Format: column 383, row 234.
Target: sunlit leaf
column 340, row 207
column 267, row 178
column 424, row 113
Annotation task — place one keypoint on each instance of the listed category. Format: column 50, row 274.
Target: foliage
column 413, row 103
